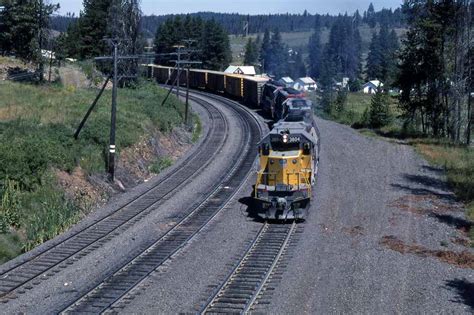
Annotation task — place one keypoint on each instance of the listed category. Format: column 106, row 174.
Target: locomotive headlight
column 272, row 162
column 285, row 138
column 295, row 161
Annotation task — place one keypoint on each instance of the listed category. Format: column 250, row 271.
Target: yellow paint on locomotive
column 291, row 168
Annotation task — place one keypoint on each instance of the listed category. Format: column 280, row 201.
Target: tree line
column 436, row 68
column 23, row 29
column 233, row 23
column 101, row 19
column 207, row 39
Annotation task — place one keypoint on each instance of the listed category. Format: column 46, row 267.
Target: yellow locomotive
column 288, row 163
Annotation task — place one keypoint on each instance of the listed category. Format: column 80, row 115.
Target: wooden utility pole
column 113, row 116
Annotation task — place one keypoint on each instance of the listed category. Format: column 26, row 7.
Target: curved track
column 28, row 273
column 102, row 297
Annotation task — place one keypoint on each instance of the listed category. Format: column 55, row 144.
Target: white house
column 246, row 70
column 287, row 81
column 305, row 84
column 48, row 54
column 371, row 87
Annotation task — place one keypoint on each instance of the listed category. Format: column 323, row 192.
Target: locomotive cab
column 288, row 163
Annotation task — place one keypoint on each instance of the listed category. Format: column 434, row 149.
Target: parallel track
column 240, row 290
column 30, row 272
column 104, row 295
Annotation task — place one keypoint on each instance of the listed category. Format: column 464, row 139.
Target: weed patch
column 160, row 164
column 463, row 259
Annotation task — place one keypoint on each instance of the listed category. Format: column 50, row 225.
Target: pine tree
column 382, row 58
column 23, row 29
column 216, row 53
column 374, row 62
column 379, row 109
column 278, row 56
column 371, row 18
column 251, row 53
column 92, row 28
column 315, row 54
column 265, row 51
column 341, row 55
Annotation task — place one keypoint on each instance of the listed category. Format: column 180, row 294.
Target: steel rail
column 103, row 296
column 239, row 291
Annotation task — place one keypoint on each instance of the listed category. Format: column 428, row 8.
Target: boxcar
column 197, row 79
column 215, row 81
column 253, row 87
column 234, row 86
column 162, row 74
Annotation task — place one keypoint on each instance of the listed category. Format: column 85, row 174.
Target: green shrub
column 9, row 206
column 160, row 164
column 47, row 213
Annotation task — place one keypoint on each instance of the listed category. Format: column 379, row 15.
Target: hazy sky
column 159, row 7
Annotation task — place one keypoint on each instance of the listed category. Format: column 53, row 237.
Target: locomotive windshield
column 292, row 143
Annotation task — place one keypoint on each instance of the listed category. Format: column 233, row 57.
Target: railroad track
column 105, row 295
column 30, row 272
column 239, row 292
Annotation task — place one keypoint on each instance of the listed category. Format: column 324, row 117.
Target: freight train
column 288, row 154
column 242, row 88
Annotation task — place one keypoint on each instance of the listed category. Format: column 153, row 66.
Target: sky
column 160, row 7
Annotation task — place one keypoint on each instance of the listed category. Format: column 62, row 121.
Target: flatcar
column 288, row 164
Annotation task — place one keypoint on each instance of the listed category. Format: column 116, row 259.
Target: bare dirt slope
column 72, row 76
column 385, row 236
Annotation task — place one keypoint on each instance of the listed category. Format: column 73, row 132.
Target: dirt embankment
column 11, row 66
column 90, row 191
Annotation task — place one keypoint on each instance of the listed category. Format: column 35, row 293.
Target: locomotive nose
column 281, row 203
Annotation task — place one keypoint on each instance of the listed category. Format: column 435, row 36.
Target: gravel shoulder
column 380, row 239
column 381, row 224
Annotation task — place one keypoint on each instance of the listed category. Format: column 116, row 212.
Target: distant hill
column 299, row 40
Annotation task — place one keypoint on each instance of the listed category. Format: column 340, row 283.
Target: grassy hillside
column 36, row 128
column 301, row 39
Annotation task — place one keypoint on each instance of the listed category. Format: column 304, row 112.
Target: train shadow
column 252, row 209
column 254, row 213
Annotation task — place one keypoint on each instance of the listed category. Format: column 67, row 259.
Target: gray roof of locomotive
column 298, row 128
